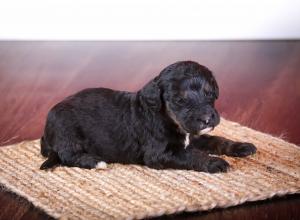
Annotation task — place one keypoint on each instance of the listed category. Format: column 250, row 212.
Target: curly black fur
column 149, row 127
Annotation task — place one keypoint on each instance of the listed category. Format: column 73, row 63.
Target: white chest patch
column 187, row 140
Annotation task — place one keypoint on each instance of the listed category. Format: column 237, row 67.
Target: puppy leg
column 189, row 159
column 219, row 145
column 82, row 160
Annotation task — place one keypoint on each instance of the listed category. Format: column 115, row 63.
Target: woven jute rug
column 135, row 192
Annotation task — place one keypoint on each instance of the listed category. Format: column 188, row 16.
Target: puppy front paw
column 240, row 149
column 216, row 165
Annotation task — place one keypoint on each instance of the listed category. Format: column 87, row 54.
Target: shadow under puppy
column 161, row 126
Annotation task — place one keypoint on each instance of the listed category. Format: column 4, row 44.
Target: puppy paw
column 216, row 165
column 101, row 165
column 240, row 149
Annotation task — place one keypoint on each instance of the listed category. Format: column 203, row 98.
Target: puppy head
column 189, row 91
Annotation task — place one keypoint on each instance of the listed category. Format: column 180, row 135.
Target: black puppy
column 161, row 126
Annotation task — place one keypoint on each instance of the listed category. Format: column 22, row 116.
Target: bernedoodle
column 162, row 126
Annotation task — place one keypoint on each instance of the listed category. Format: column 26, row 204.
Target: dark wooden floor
column 259, row 85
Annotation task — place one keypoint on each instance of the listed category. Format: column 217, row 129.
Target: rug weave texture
column 135, row 192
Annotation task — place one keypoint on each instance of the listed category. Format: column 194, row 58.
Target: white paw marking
column 204, row 131
column 101, row 165
column 187, row 140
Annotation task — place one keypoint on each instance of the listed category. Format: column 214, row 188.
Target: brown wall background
column 259, row 80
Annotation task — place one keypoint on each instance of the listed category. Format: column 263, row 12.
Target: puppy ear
column 150, row 96
column 215, row 86
column 216, row 91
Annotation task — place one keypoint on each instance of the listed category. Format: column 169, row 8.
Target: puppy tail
column 52, row 161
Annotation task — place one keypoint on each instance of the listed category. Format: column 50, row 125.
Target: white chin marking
column 187, row 140
column 204, row 131
column 101, row 165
